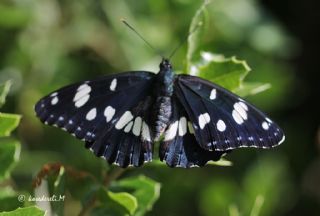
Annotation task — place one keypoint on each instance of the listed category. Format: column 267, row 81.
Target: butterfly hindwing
column 179, row 147
column 92, row 111
column 223, row 121
column 128, row 141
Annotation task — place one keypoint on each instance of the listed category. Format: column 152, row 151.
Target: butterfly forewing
column 222, row 120
column 92, row 111
column 179, row 148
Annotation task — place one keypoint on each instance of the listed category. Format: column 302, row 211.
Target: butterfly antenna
column 185, row 39
column 141, row 37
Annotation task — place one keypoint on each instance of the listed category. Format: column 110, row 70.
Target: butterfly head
column 165, row 65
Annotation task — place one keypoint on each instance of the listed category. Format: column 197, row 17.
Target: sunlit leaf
column 221, row 162
column 251, row 88
column 146, row 190
column 9, row 155
column 227, row 72
column 4, row 90
column 28, row 211
column 116, row 204
column 8, row 122
column 126, row 200
column 156, row 162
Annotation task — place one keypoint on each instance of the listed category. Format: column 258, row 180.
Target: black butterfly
column 121, row 116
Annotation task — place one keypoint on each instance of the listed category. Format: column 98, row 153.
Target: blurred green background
column 50, row 43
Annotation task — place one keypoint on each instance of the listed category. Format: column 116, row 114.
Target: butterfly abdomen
column 162, row 108
column 163, row 112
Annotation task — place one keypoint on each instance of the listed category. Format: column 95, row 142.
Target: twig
column 115, row 174
column 111, row 176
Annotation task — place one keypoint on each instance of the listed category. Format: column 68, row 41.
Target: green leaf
column 156, row 162
column 57, row 189
column 113, row 203
column 9, row 156
column 126, row 200
column 196, row 30
column 262, row 192
column 218, row 196
column 13, row 17
column 28, row 211
column 8, row 122
column 221, row 162
column 233, row 210
column 9, row 199
column 226, row 72
column 146, row 190
column 251, row 88
column 4, row 90
column 257, row 206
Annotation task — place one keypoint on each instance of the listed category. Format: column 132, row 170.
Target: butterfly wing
column 223, row 121
column 99, row 112
column 179, row 147
column 128, row 140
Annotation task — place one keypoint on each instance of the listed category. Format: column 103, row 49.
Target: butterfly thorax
column 163, row 92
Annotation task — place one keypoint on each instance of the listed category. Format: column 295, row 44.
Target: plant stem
column 257, row 206
column 116, row 173
column 111, row 176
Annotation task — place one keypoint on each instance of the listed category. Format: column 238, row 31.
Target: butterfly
column 122, row 116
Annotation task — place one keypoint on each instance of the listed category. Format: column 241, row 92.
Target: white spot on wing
column 82, row 101
column 145, row 132
column 82, row 95
column 54, row 94
column 171, row 132
column 244, row 106
column 91, row 114
column 203, row 120
column 137, row 126
column 54, row 100
column 241, row 110
column 113, row 85
column 221, row 126
column 265, row 125
column 83, row 86
column 109, row 113
column 182, row 126
column 128, row 127
column 213, row 94
column 83, row 90
column 124, row 119
column 237, row 117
